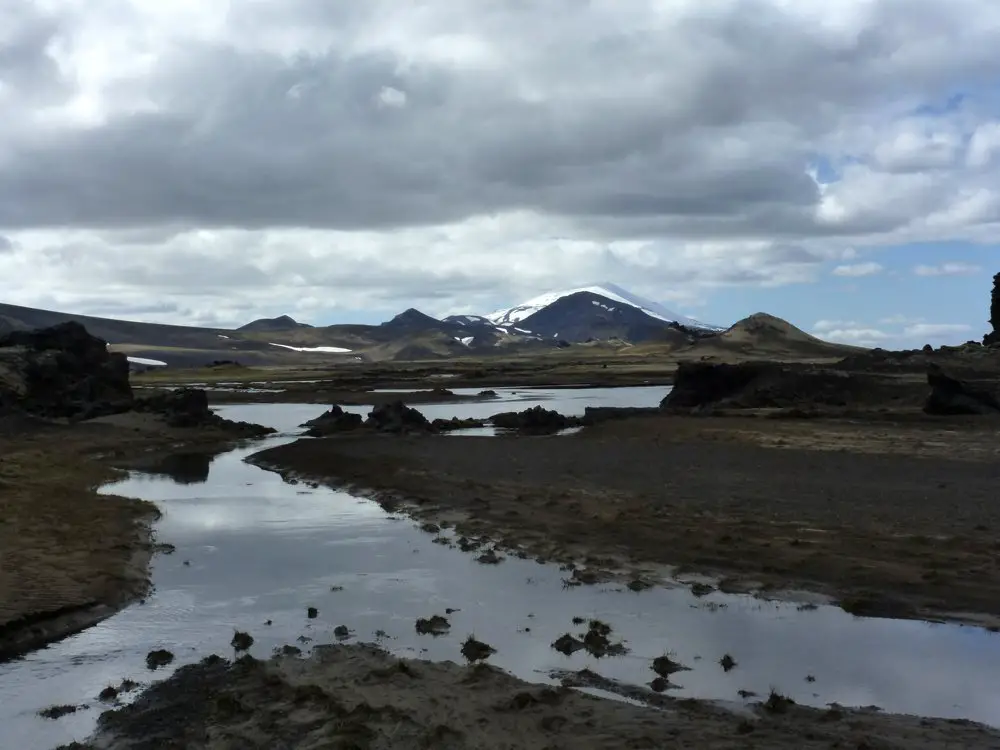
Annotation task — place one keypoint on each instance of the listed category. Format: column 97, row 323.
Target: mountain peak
column 281, row 323
column 606, row 289
column 412, row 317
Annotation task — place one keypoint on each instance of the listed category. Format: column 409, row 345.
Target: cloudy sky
column 834, row 163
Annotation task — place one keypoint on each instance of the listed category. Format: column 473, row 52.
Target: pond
column 252, row 549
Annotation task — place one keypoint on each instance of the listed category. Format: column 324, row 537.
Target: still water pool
column 251, row 548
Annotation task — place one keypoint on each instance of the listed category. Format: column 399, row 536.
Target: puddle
column 258, row 549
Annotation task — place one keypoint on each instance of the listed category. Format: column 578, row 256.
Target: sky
column 208, row 163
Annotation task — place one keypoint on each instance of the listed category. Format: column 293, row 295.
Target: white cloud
column 896, row 331
column 858, row 269
column 947, row 269
column 935, row 330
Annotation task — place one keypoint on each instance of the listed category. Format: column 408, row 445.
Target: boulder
column 188, row 407
column 334, row 420
column 534, row 420
column 951, row 396
column 397, row 417
column 62, row 372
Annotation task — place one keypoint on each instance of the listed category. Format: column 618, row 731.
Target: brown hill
column 764, row 336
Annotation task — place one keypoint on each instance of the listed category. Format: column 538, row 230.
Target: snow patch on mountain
column 604, row 289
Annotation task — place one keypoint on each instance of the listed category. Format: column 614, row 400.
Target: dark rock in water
column 534, row 420
column 568, row 645
column 488, row 394
column 188, row 407
column 436, row 625
column 241, row 641
column 57, row 712
column 62, row 372
column 397, row 417
column 334, row 420
column 446, row 425
column 951, row 396
column 158, row 658
column 767, row 385
column 474, row 650
column 993, row 337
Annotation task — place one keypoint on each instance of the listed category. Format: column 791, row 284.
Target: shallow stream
column 251, row 548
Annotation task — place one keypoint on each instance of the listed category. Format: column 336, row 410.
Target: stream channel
column 251, row 548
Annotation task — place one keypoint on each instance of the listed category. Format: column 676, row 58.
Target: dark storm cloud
column 710, row 123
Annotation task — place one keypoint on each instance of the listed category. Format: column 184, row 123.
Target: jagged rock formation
column 62, row 372
column 334, row 420
column 769, row 385
column 397, row 417
column 951, row 396
column 188, row 407
column 993, row 337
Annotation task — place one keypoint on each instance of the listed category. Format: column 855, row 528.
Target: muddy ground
column 358, row 696
column 892, row 517
column 68, row 556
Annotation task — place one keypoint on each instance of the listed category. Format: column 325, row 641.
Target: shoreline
column 781, row 537
column 70, row 557
column 361, row 696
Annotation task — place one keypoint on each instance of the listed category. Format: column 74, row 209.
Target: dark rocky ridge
column 769, row 385
column 951, row 396
column 993, row 337
column 62, row 372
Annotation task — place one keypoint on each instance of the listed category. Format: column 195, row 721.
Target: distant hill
column 766, row 336
column 281, row 323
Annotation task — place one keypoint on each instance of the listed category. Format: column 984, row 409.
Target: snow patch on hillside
column 324, row 349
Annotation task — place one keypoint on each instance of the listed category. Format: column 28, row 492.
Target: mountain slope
column 586, row 316
column 610, row 292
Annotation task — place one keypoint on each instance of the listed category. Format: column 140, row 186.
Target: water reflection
column 182, row 468
column 251, row 548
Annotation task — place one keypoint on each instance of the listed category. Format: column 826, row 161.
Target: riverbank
column 889, row 516
column 360, row 696
column 70, row 557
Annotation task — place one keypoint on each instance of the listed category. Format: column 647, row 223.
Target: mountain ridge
column 609, row 316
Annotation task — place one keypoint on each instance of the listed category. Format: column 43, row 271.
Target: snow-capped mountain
column 610, row 292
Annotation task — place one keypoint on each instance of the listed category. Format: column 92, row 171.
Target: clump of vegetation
column 777, row 703
column 342, row 632
column 728, row 663
column 666, row 666
column 57, row 712
column 241, row 641
column 701, row 589
column 598, row 643
column 475, row 650
column 312, row 613
column 567, row 645
column 158, row 658
column 436, row 625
